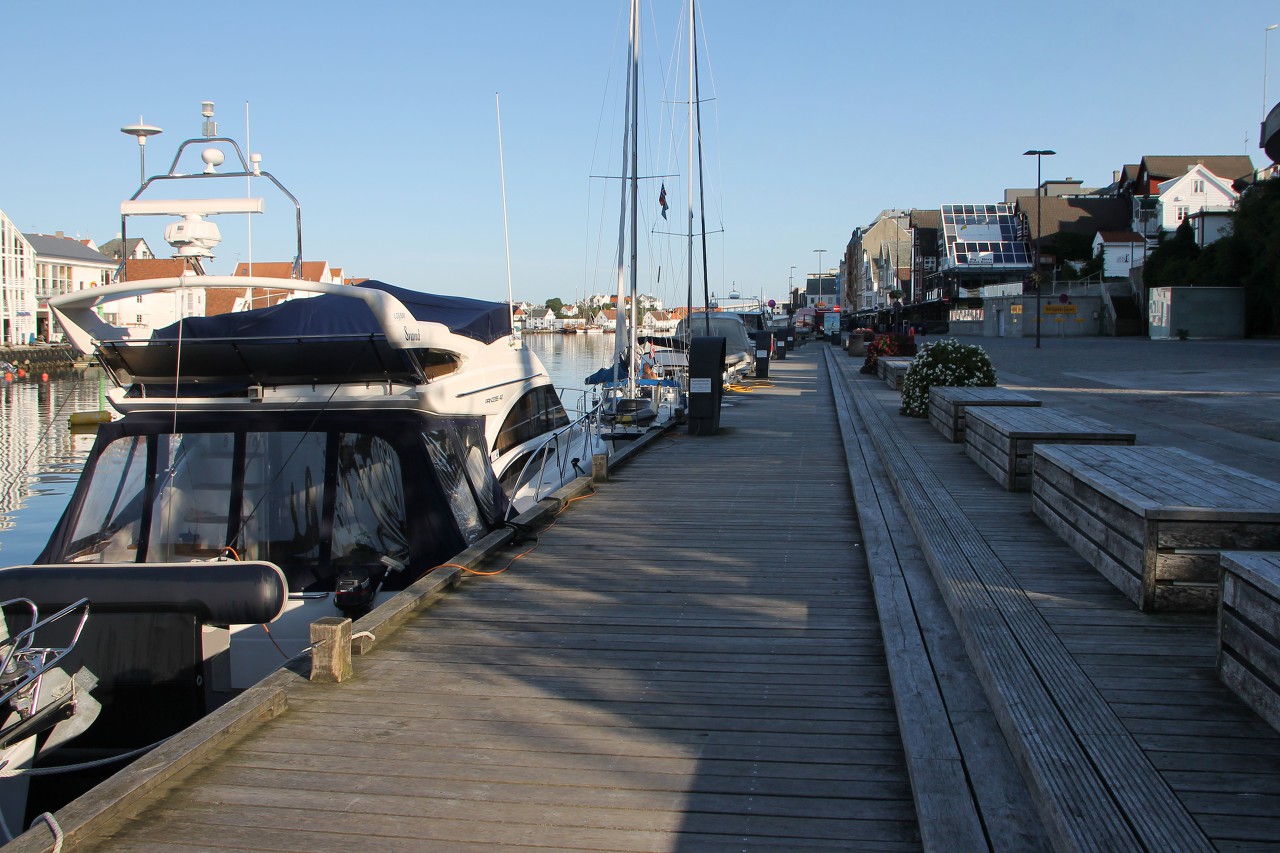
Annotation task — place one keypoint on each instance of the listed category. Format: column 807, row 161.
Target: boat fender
column 215, row 593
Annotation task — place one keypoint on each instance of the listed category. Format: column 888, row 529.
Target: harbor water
column 41, row 455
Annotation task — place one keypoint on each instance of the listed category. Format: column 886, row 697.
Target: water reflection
column 40, row 458
column 569, row 358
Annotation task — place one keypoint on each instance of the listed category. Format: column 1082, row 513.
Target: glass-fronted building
column 17, row 286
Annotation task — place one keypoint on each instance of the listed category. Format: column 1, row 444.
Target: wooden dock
column 824, row 628
column 690, row 659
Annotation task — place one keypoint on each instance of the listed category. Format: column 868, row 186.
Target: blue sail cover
column 331, row 316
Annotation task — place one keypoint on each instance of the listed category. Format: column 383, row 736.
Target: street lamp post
column 820, row 253
column 1265, row 39
column 1038, row 153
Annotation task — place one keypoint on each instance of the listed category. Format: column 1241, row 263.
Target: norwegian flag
column 662, row 199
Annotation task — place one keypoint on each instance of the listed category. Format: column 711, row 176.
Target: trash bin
column 764, row 344
column 706, row 384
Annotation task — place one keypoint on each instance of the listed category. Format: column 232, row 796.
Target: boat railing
column 25, row 662
column 549, row 467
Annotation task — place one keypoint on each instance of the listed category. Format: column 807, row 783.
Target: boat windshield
column 189, row 496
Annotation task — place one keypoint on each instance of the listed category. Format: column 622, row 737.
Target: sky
column 380, row 117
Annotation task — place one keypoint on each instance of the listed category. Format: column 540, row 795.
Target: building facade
column 64, row 265
column 17, row 286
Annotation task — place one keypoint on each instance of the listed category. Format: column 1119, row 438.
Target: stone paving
column 1220, row 399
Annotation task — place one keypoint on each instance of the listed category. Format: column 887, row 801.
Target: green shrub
column 944, row 363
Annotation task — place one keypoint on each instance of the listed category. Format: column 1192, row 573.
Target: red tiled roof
column 146, row 269
column 311, row 270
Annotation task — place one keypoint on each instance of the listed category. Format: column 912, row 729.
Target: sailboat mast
column 620, row 323
column 634, row 178
column 702, row 208
column 689, row 303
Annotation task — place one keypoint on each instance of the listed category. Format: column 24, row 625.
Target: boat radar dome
column 213, row 158
column 193, row 237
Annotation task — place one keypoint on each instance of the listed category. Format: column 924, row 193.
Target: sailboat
column 637, row 395
column 671, row 353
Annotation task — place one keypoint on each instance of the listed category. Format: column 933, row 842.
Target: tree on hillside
column 556, row 305
column 1248, row 257
column 1254, row 256
column 1170, row 263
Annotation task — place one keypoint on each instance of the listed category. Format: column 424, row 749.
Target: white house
column 1121, row 252
column 143, row 314
column 519, row 319
column 606, row 319
column 134, row 249
column 1211, row 225
column 659, row 323
column 64, row 265
column 1197, row 190
column 541, row 319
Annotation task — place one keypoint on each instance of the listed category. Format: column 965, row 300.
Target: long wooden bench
column 1153, row 520
column 947, row 406
column 1093, row 786
column 1249, row 630
column 893, row 370
column 1000, row 438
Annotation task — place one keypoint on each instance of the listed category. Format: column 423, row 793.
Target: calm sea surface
column 40, row 457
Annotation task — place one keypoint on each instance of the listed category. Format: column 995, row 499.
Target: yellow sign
column 1059, row 309
column 1015, row 308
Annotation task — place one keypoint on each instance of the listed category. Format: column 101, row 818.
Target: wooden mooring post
column 331, row 650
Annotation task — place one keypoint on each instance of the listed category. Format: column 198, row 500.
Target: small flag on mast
column 662, row 199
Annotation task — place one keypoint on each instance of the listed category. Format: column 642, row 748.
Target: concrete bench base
column 1154, row 519
column 895, row 370
column 947, row 406
column 1000, row 438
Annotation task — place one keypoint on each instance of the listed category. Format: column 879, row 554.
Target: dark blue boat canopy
column 330, row 316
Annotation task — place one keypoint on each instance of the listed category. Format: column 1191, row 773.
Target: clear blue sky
column 380, row 117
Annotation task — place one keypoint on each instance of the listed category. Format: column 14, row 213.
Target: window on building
column 1197, row 186
column 1181, row 211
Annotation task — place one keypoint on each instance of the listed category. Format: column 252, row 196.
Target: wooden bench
column 1249, row 630
column 947, row 405
column 892, row 370
column 1154, row 519
column 1000, row 438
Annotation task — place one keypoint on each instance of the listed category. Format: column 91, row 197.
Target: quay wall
column 50, row 359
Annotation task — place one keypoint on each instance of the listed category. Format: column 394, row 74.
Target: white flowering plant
column 944, row 363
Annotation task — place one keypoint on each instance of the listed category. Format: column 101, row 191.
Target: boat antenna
column 248, row 193
column 506, row 237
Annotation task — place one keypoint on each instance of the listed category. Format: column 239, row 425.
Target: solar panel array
column 983, row 236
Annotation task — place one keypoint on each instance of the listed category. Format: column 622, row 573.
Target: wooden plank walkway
column 690, row 660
